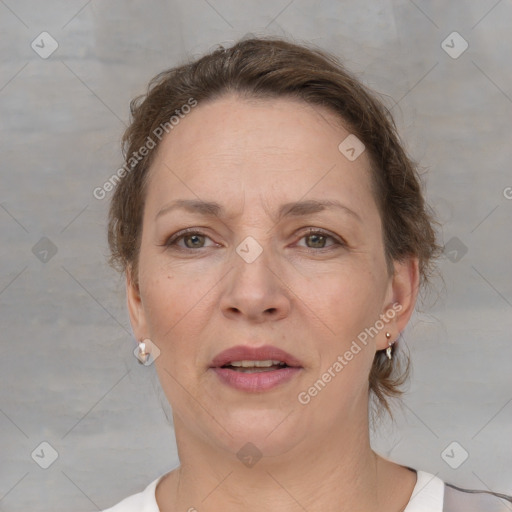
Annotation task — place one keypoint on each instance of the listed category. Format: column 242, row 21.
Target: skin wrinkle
column 191, row 313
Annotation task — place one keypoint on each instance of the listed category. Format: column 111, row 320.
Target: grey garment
column 464, row 500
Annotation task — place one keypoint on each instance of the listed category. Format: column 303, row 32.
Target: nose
column 255, row 291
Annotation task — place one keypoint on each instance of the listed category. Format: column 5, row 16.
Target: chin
column 270, row 432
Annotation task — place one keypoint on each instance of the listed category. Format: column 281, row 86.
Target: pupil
column 317, row 239
column 194, row 239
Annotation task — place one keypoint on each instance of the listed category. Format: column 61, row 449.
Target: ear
column 135, row 307
column 400, row 299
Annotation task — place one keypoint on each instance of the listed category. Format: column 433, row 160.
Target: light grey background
column 67, row 369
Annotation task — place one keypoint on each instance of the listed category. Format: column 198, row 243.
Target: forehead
column 270, row 148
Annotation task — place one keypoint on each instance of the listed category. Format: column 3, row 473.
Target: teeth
column 259, row 364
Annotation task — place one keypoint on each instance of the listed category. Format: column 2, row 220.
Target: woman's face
column 252, row 274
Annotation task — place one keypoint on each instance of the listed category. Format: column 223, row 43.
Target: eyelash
column 171, row 241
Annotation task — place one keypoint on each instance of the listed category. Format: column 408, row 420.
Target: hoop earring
column 389, row 350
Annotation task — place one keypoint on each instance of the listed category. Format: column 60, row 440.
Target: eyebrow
column 294, row 209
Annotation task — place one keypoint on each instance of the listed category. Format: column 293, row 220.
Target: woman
column 274, row 238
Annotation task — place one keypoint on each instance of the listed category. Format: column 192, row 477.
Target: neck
column 334, row 472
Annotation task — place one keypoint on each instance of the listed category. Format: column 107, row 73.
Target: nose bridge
column 254, row 287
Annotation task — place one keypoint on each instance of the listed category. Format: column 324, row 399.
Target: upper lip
column 246, row 353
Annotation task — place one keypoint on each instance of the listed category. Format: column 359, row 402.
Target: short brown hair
column 272, row 68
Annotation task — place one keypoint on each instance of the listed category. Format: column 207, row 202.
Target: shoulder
column 427, row 494
column 434, row 495
column 457, row 499
column 144, row 501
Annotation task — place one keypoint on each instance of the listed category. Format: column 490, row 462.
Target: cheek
column 347, row 295
column 163, row 300
column 347, row 302
column 177, row 308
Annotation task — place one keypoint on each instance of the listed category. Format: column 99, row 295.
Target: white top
column 427, row 496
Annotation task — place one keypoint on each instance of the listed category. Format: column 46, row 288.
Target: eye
column 191, row 238
column 317, row 239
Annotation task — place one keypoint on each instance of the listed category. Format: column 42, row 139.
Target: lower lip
column 258, row 381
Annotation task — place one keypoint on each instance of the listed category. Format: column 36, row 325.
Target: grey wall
column 67, row 370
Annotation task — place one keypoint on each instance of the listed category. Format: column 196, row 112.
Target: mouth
column 264, row 358
column 255, row 366
column 255, row 369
